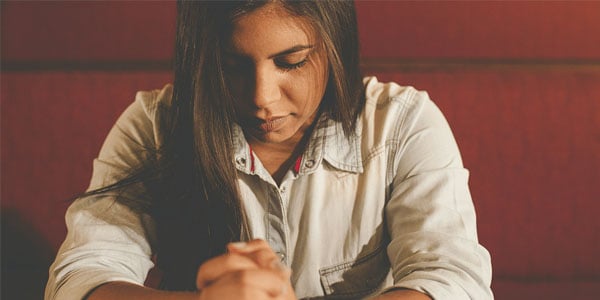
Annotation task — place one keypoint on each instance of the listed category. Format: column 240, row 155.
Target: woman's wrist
column 402, row 294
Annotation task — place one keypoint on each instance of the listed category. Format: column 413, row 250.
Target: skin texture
column 277, row 71
column 252, row 263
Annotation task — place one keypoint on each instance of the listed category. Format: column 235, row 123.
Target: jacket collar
column 328, row 142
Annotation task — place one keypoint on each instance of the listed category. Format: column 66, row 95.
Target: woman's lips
column 272, row 124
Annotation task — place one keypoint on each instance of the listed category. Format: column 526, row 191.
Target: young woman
column 331, row 185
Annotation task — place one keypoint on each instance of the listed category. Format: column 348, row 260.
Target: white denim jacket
column 388, row 207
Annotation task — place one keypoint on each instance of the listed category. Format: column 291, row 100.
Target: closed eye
column 291, row 66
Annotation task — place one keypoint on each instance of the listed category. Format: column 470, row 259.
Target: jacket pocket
column 358, row 278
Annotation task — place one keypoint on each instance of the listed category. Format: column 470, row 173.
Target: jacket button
column 281, row 256
column 309, row 163
column 241, row 161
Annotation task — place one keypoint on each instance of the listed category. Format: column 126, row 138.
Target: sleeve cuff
column 80, row 283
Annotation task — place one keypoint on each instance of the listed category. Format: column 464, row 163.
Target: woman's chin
column 269, row 137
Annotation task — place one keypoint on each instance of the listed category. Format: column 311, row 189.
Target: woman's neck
column 278, row 158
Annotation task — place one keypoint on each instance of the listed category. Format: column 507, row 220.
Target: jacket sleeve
column 106, row 240
column 430, row 215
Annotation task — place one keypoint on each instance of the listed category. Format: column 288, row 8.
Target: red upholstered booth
column 519, row 83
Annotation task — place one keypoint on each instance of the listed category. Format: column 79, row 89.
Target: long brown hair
column 195, row 200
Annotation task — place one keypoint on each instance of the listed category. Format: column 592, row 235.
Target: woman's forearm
column 402, row 294
column 125, row 290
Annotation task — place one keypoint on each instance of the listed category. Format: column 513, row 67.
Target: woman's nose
column 266, row 88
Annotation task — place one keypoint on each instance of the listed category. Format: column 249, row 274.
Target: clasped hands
column 249, row 270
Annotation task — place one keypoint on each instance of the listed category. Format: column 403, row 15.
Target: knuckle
column 246, row 293
column 260, row 242
column 201, row 273
column 266, row 259
column 244, row 278
column 228, row 259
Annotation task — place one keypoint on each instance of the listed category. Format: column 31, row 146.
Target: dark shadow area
column 26, row 257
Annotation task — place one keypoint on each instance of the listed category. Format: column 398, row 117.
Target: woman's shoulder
column 155, row 101
column 382, row 93
column 393, row 104
column 402, row 117
column 143, row 120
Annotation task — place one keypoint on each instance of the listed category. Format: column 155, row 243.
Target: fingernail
column 239, row 245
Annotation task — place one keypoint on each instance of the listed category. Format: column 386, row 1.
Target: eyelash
column 280, row 64
column 288, row 67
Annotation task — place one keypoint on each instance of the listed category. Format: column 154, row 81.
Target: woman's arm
column 107, row 240
column 430, row 215
column 402, row 294
column 125, row 290
column 249, row 271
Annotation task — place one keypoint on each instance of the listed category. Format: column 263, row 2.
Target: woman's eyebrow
column 294, row 49
column 291, row 50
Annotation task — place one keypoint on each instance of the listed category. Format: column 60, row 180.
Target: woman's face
column 277, row 74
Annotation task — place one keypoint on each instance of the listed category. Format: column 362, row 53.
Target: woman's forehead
column 271, row 23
